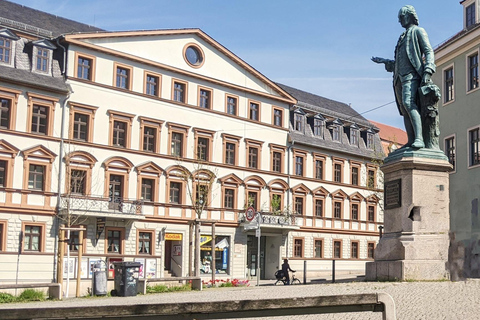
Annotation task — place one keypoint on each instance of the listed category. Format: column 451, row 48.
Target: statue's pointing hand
column 379, row 60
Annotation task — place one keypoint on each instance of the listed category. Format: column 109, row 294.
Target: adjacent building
column 457, row 76
column 392, row 138
column 134, row 135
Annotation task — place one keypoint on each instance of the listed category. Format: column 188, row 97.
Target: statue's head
column 407, row 16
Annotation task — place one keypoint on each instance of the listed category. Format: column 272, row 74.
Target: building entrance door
column 252, row 256
column 168, row 255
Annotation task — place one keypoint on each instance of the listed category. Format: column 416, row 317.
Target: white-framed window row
column 472, row 80
column 450, row 146
column 473, row 147
column 448, row 84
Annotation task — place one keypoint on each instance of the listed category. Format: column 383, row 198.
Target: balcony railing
column 270, row 219
column 79, row 204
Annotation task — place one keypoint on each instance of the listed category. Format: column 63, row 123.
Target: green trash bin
column 126, row 278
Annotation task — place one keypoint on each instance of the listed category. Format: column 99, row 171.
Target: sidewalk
column 414, row 300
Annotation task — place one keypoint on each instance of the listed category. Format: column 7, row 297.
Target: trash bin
column 99, row 279
column 126, row 278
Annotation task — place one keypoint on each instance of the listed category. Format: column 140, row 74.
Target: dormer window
column 470, row 15
column 354, row 134
column 335, row 128
column 7, row 41
column 42, row 56
column 369, row 138
column 298, row 120
column 318, row 125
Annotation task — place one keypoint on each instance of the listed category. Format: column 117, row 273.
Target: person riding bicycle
column 285, row 269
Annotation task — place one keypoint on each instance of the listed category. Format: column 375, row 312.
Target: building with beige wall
column 103, row 130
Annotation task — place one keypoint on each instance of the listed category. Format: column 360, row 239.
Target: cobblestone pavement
column 414, row 300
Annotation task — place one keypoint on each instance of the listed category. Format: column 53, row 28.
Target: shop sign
column 173, row 236
column 205, row 239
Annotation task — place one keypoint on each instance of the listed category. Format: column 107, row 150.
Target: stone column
column 415, row 242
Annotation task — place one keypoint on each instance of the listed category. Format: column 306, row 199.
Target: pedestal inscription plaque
column 393, row 194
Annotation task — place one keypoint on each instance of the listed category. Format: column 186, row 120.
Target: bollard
column 304, row 271
column 333, row 271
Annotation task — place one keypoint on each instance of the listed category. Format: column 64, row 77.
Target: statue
column 415, row 93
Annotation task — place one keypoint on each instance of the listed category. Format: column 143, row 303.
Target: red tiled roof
column 390, row 133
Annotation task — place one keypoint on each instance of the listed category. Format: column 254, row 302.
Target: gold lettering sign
column 173, row 236
column 393, row 194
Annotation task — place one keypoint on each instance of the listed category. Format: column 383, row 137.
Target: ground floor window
column 222, row 256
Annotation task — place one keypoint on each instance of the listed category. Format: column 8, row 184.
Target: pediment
column 278, row 184
column 5, row 33
column 301, row 188
column 230, row 179
column 39, row 152
column 356, row 197
column 118, row 163
column 81, row 157
column 177, row 171
column 44, row 44
column 149, row 167
column 255, row 181
column 339, row 194
column 320, row 192
column 7, row 148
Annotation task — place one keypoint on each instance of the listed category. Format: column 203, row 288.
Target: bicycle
column 281, row 279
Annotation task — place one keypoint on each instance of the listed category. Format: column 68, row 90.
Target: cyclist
column 285, row 269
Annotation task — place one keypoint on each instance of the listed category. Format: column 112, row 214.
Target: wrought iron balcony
column 267, row 219
column 100, row 206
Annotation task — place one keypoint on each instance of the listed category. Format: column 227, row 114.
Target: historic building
column 392, row 138
column 457, row 76
column 133, row 135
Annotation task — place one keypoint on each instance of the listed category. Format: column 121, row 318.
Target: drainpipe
column 57, row 274
column 288, row 191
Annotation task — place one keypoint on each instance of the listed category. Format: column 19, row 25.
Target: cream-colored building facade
column 105, row 128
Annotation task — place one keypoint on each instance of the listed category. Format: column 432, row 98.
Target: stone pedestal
column 414, row 245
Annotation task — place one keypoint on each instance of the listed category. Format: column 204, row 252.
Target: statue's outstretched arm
column 389, row 64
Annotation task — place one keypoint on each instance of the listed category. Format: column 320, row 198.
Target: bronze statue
column 412, row 69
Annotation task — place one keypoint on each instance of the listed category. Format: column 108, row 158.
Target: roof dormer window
column 298, row 120
column 42, row 56
column 470, row 15
column 354, row 134
column 369, row 138
column 318, row 125
column 335, row 128
column 7, row 41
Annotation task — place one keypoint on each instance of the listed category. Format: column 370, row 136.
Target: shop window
column 33, row 235
column 222, row 254
column 115, row 239
column 145, row 242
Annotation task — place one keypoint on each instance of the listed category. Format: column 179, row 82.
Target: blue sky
column 323, row 47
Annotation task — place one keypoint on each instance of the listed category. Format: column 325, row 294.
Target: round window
column 194, row 56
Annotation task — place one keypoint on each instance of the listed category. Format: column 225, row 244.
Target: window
column 42, row 59
column 354, row 247
column 179, row 91
column 232, row 105
column 80, row 126
column 3, row 173
column 75, row 242
column 450, row 150
column 370, row 143
column 39, row 120
column 253, row 157
column 119, row 134
column 175, row 192
column 81, row 122
column 254, row 113
column 337, row 172
column 355, row 175
column 32, row 238
column 276, row 202
column 448, row 82
column 145, row 242
column 474, row 146
column 5, row 113
column 123, row 77
column 319, row 208
column 298, row 248
column 470, row 15
column 177, row 144
column 36, row 176
column 229, row 199
column 202, row 149
column 277, row 117
column 85, row 68
column 319, row 169
column 221, row 254
column 473, row 72
column 370, row 250
column 205, row 98
column 354, row 213
column 336, row 133
column 337, row 210
column 318, row 125
column 299, row 165
column 371, row 178
column 298, row 122
column 202, row 194
column 120, row 126
column 193, row 55
column 253, row 199
column 230, row 153
column 5, row 50
column 150, row 134
column 3, row 233
column 114, row 240
column 299, row 205
column 337, row 249
column 354, row 136
column 277, row 162
column 152, row 85
column 116, row 191
column 147, row 189
column 371, row 213
column 78, row 181
column 318, row 249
